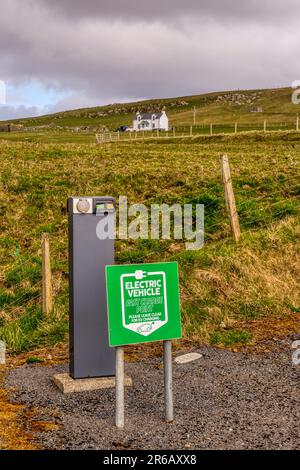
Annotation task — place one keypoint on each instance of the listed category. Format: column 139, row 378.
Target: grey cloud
column 99, row 60
column 168, row 9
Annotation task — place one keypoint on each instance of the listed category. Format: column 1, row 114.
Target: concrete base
column 67, row 384
column 185, row 358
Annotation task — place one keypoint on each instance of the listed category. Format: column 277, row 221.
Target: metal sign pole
column 120, row 387
column 168, row 380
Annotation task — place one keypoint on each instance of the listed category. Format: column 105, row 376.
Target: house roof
column 149, row 115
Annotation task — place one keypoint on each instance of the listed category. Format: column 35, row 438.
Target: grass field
column 230, row 294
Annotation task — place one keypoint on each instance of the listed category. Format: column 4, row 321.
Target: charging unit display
column 90, row 354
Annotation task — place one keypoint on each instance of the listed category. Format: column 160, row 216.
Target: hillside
column 219, row 108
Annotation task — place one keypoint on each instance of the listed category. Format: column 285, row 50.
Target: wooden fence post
column 236, row 128
column 191, row 131
column 297, row 124
column 46, row 275
column 230, row 198
column 174, row 132
column 211, row 129
column 265, row 125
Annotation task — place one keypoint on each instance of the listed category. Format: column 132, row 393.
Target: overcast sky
column 62, row 54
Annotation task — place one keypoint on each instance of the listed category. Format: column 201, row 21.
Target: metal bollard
column 90, row 354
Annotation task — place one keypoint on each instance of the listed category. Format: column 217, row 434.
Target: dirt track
column 224, row 400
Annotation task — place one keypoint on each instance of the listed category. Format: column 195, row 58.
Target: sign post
column 120, row 387
column 143, row 306
column 168, row 380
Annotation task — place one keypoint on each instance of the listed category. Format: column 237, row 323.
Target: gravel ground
column 222, row 401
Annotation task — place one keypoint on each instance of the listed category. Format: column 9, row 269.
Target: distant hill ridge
column 244, row 106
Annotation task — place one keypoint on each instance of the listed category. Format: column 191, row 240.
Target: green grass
column 222, row 284
column 230, row 338
column 34, row 360
column 32, row 331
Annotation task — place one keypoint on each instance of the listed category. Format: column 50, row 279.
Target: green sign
column 143, row 303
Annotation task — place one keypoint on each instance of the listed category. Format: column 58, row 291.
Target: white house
column 151, row 121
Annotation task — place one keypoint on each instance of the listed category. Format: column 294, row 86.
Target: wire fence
column 211, row 129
